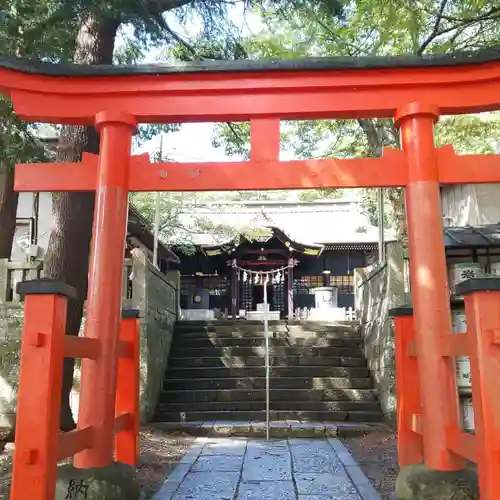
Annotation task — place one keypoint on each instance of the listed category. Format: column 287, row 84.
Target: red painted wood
column 263, row 175
column 98, row 380
column 410, row 446
column 39, row 398
column 483, row 322
column 430, row 295
column 127, row 396
column 354, row 93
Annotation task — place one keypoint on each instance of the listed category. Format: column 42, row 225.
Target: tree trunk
column 396, row 196
column 8, row 210
column 67, row 257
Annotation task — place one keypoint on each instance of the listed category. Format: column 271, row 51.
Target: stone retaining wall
column 378, row 289
column 153, row 293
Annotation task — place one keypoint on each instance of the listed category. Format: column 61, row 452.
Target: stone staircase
column 216, row 372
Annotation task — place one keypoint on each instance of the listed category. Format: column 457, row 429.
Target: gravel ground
column 5, row 469
column 376, row 454
column 159, row 453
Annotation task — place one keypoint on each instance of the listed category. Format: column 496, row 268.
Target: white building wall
column 470, row 204
column 25, row 215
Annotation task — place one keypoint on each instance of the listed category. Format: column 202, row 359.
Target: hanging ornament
column 245, row 276
column 278, row 277
column 257, row 279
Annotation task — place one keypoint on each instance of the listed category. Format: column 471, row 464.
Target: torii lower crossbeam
column 388, row 171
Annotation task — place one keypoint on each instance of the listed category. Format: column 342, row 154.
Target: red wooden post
column 482, row 307
column 39, row 395
column 127, row 389
column 429, row 282
column 410, row 445
column 98, row 383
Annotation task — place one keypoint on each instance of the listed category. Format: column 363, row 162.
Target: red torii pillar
column 431, row 299
column 97, row 399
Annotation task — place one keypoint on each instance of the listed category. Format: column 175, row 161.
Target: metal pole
column 381, row 236
column 157, row 213
column 266, row 335
column 157, row 230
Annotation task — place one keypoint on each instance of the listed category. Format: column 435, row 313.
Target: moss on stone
column 115, row 482
column 417, row 482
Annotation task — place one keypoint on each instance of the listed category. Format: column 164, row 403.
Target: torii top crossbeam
column 219, row 91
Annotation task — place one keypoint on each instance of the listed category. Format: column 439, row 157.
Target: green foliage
column 147, row 132
column 44, row 29
column 41, row 30
column 371, row 28
column 470, row 134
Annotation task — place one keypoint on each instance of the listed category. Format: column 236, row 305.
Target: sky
column 179, row 145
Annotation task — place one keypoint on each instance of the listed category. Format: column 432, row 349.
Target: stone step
column 239, row 362
column 276, row 371
column 256, row 429
column 226, row 322
column 178, row 341
column 311, row 325
column 179, row 396
column 274, row 405
column 275, row 333
column 249, row 416
column 228, row 352
column 252, row 383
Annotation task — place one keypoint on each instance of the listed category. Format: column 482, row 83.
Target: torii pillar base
column 417, row 482
column 114, row 482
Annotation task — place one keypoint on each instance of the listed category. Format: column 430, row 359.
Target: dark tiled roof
column 247, row 66
column 472, row 237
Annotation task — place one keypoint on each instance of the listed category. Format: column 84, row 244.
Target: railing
column 481, row 343
column 12, row 273
column 44, row 346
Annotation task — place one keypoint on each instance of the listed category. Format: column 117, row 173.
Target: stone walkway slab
column 283, row 429
column 255, row 469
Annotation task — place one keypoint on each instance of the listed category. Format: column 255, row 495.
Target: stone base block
column 198, row 314
column 417, row 482
column 115, row 482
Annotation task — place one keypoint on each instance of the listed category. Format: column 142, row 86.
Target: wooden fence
column 12, row 273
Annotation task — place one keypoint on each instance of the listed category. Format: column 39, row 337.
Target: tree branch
column 487, row 16
column 435, row 31
column 160, row 6
column 164, row 25
column 491, row 15
column 235, row 133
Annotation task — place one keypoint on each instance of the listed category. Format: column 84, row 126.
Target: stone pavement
column 255, row 469
column 279, row 429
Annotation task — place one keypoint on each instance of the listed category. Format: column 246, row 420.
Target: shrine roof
column 486, row 236
column 308, row 224
column 244, row 66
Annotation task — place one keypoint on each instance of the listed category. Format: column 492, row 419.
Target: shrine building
column 313, row 246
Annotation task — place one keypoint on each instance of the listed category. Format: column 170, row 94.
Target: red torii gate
column 414, row 91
